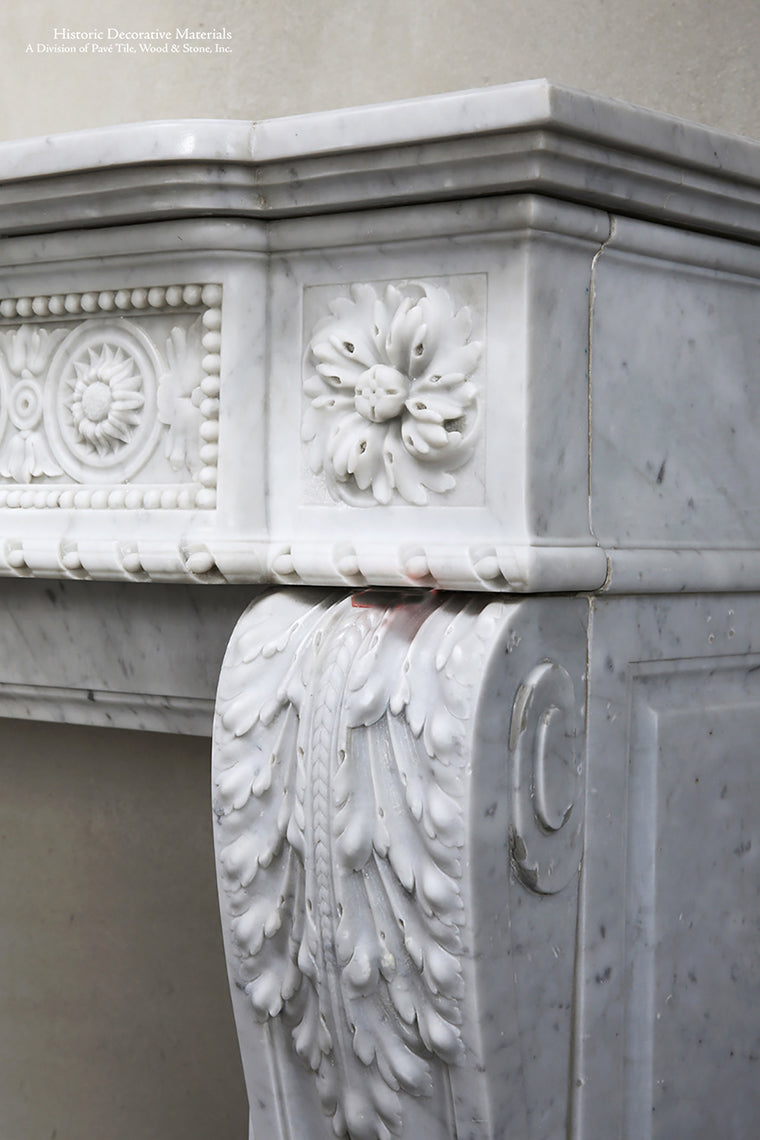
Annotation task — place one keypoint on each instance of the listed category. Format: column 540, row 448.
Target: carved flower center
column 380, row 393
column 96, row 401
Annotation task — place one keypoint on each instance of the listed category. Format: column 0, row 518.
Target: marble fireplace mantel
column 475, row 379
column 508, row 206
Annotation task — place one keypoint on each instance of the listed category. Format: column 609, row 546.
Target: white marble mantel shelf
column 487, row 849
column 553, row 250
column 528, row 137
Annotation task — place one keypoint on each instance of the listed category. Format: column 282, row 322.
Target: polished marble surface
column 486, row 847
column 488, row 389
column 114, row 655
column 668, row 930
column 510, row 138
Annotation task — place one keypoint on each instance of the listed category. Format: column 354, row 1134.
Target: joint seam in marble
column 589, row 384
column 575, row 1075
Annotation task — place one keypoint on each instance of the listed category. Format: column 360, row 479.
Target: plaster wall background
column 115, row 1020
column 693, row 58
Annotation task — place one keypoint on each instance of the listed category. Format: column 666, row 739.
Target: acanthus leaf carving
column 27, row 349
column 25, row 353
column 393, row 407
column 26, row 456
column 180, row 396
column 340, row 767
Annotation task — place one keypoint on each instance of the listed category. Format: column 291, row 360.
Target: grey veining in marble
column 112, row 654
column 493, row 140
column 669, row 933
column 457, row 342
column 488, row 864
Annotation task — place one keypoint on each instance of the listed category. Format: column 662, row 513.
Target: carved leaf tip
column 265, row 995
column 440, row 1036
column 381, row 1124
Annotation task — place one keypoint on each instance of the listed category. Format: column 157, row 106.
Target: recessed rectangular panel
column 693, row 895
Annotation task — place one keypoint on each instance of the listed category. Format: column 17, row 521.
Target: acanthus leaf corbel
column 346, row 758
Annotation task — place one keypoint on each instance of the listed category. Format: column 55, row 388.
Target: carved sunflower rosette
column 110, row 398
column 364, row 814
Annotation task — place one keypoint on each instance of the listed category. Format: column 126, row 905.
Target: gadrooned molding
column 462, row 567
column 91, row 383
column 479, row 567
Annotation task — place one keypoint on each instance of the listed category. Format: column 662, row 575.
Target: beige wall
column 695, row 58
column 115, row 1018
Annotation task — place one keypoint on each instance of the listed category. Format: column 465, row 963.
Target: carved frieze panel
column 110, row 399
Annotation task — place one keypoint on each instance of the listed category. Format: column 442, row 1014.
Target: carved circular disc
column 25, row 404
column 546, row 780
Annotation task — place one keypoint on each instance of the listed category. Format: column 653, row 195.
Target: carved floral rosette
column 110, row 399
column 392, row 405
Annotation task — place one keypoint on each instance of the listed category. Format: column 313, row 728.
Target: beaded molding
column 74, row 398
